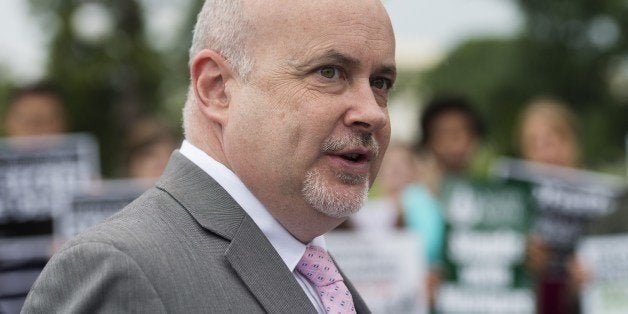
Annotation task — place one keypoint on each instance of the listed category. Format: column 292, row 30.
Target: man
column 451, row 133
column 35, row 110
column 286, row 125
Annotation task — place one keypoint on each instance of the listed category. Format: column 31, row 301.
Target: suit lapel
column 208, row 203
column 250, row 253
column 261, row 268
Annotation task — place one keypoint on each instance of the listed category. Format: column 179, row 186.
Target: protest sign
column 605, row 259
column 385, row 267
column 21, row 261
column 567, row 200
column 486, row 228
column 38, row 177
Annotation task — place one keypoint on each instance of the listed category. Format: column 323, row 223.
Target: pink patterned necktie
column 319, row 269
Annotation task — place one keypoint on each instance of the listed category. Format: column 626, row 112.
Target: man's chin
column 353, row 179
column 338, row 199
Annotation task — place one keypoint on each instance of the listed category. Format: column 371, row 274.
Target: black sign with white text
column 39, row 175
column 567, row 201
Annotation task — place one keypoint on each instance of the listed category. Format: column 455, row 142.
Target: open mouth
column 355, row 157
column 353, row 162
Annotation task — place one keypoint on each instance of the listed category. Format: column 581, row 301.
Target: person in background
column 35, row 110
column 286, row 125
column 548, row 134
column 31, row 111
column 452, row 131
column 423, row 215
column 150, row 143
column 451, row 134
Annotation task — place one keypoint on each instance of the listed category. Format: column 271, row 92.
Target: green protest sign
column 486, row 230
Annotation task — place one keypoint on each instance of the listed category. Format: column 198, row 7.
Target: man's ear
column 210, row 72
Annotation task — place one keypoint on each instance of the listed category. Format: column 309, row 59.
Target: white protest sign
column 605, row 259
column 385, row 267
column 465, row 299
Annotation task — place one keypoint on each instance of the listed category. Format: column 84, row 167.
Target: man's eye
column 328, row 72
column 381, row 83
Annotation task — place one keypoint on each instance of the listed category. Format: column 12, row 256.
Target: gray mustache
column 353, row 141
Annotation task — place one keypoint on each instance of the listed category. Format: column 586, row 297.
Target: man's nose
column 365, row 112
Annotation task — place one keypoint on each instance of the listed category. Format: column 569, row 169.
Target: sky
column 425, row 29
column 21, row 42
column 429, row 29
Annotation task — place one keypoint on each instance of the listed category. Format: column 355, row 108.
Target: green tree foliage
column 570, row 49
column 110, row 79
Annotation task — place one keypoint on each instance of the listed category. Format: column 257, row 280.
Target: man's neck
column 304, row 222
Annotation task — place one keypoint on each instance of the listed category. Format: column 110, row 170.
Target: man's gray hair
column 221, row 26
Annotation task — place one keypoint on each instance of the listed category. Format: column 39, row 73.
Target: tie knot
column 317, row 267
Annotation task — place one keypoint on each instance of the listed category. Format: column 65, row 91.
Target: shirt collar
column 289, row 248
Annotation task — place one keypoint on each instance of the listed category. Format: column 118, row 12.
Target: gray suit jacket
column 184, row 246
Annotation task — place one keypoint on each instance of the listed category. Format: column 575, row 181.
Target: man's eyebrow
column 335, row 57
column 332, row 57
column 390, row 70
column 340, row 58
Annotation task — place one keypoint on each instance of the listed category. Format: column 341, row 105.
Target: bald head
column 243, row 31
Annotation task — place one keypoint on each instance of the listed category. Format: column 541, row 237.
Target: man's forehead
column 324, row 28
column 276, row 12
column 300, row 5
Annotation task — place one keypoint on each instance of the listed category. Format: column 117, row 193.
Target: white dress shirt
column 289, row 248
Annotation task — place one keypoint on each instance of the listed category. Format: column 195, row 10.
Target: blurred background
column 116, row 60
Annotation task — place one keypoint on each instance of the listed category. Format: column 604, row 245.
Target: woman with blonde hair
column 548, row 133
